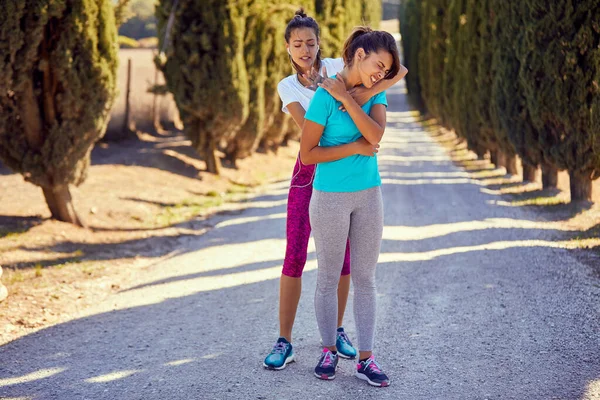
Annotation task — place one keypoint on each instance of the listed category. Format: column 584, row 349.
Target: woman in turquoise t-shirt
column 347, row 200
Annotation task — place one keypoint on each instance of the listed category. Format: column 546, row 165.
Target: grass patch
column 238, row 189
column 11, row 233
column 186, row 210
column 38, row 270
column 540, row 201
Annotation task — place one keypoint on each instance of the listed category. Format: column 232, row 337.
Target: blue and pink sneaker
column 368, row 370
column 328, row 362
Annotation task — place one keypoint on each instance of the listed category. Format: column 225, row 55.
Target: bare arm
column 312, row 153
column 362, row 94
column 333, row 153
column 370, row 126
column 385, row 84
column 297, row 112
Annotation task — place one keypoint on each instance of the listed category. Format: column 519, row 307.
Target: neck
column 351, row 77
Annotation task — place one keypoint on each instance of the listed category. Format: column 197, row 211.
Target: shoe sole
column 366, row 378
column 325, row 377
column 345, row 356
column 288, row 360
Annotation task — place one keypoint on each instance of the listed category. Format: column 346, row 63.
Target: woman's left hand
column 336, row 88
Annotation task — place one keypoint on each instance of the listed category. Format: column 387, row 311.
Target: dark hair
column 371, row 41
column 301, row 20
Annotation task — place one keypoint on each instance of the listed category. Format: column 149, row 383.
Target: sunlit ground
column 225, row 265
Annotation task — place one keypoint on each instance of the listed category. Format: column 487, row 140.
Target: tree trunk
column 60, row 204
column 212, row 163
column 481, row 152
column 581, row 186
column 510, row 163
column 549, row 176
column 529, row 172
column 496, row 158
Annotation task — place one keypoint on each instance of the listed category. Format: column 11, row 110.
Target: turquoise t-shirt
column 350, row 174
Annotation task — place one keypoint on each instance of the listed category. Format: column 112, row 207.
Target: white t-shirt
column 291, row 90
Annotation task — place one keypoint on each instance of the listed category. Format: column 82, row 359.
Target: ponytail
column 350, row 44
column 363, row 37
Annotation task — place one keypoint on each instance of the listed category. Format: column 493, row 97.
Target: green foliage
column 57, row 86
column 481, row 100
column 371, row 13
column 505, row 67
column 451, row 89
column 410, row 29
column 257, row 47
column 560, row 76
column 141, row 21
column 204, row 68
column 465, row 68
column 513, row 127
column 337, row 18
column 433, row 54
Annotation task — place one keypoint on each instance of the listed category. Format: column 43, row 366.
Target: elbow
column 306, row 158
column 376, row 137
column 402, row 71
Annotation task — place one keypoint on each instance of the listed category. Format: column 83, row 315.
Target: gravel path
column 476, row 300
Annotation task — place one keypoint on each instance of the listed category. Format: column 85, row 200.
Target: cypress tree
column 512, row 119
column 504, row 70
column 410, row 29
column 204, row 68
column 453, row 61
column 278, row 67
column 432, row 55
column 337, row 18
column 560, row 75
column 57, row 86
column 267, row 63
column 466, row 86
column 258, row 45
column 371, row 13
column 482, row 100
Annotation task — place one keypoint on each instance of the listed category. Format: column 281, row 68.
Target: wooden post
column 127, row 94
column 155, row 110
column 3, row 290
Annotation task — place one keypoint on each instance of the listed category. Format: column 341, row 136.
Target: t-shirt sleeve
column 286, row 95
column 380, row 98
column 319, row 109
column 334, row 65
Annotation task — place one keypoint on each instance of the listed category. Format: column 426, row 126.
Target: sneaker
column 325, row 369
column 370, row 371
column 344, row 345
column 281, row 355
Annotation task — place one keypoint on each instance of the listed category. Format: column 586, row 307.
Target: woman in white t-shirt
column 296, row 91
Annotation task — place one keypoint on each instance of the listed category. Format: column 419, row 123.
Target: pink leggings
column 298, row 222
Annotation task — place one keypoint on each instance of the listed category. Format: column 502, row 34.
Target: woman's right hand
column 364, row 148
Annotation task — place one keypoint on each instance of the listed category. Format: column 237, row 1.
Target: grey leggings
column 335, row 217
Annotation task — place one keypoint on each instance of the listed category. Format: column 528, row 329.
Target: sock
column 282, row 339
column 364, row 359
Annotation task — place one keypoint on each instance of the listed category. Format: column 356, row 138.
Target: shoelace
column 373, row 366
column 326, row 360
column 344, row 337
column 280, row 348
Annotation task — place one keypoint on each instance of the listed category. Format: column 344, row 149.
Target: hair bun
column 300, row 13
